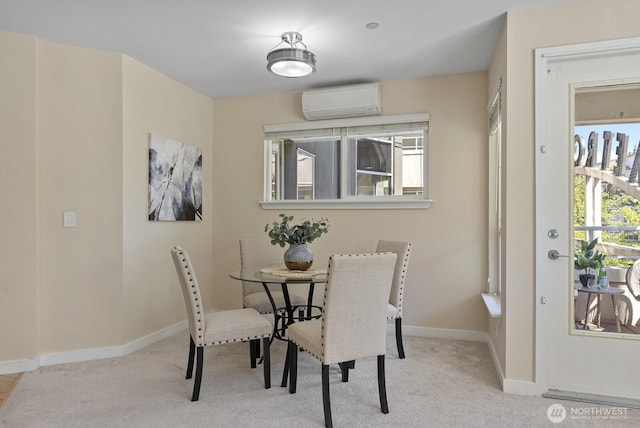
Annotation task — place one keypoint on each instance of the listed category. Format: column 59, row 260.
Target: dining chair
column 260, row 253
column 394, row 311
column 218, row 327
column 352, row 324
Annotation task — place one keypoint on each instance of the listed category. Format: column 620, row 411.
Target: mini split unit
column 342, row 101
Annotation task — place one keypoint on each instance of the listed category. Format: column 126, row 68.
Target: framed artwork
column 175, row 180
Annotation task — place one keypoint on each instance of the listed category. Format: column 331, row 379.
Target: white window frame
column 421, row 201
column 492, row 296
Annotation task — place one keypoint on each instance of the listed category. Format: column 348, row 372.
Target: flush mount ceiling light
column 291, row 61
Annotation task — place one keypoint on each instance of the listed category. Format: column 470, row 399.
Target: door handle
column 555, row 255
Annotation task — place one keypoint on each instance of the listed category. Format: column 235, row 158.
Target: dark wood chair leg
column 285, row 372
column 326, row 401
column 266, row 362
column 192, row 354
column 382, row 388
column 252, row 352
column 399, row 338
column 344, row 368
column 198, row 379
column 258, row 349
column 292, row 356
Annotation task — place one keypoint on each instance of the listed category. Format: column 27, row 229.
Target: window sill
column 492, row 302
column 342, row 204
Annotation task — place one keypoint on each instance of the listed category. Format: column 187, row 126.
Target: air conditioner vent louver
column 342, row 101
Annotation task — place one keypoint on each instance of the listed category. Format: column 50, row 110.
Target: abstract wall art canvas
column 175, row 180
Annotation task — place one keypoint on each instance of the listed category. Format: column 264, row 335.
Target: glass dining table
column 284, row 316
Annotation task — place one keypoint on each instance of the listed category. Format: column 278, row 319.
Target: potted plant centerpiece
column 298, row 256
column 586, row 258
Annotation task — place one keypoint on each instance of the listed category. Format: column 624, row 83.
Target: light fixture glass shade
column 291, row 61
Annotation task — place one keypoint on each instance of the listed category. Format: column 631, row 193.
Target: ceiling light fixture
column 291, row 61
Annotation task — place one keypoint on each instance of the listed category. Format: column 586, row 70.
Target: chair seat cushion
column 260, row 301
column 308, row 336
column 392, row 312
column 234, row 325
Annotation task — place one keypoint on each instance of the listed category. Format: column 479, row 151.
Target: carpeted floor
column 441, row 383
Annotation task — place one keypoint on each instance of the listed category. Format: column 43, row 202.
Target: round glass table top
column 279, row 275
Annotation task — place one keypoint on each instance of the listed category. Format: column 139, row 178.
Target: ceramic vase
column 298, row 257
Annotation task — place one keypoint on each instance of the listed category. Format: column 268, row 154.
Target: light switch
column 69, row 219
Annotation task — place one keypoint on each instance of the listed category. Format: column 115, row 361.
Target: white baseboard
column 496, row 362
column 152, row 338
column 520, row 387
column 19, row 366
column 443, row 333
column 75, row 356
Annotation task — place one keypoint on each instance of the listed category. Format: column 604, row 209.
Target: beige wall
column 154, row 103
column 80, row 169
column 19, row 215
column 74, row 133
column 447, row 271
column 576, row 22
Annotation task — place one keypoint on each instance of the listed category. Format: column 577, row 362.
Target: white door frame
column 542, row 58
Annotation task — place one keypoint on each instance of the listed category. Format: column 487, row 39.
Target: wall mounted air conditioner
column 342, row 101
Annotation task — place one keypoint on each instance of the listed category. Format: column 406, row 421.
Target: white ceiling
column 219, row 47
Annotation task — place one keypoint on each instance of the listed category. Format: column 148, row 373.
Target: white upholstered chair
column 394, row 312
column 219, row 327
column 353, row 322
column 259, row 253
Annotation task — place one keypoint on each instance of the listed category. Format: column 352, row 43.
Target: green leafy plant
column 587, row 257
column 283, row 232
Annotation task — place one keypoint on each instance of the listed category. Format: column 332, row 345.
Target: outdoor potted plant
column 588, row 258
column 298, row 256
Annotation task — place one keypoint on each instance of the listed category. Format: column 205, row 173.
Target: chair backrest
column 354, row 317
column 633, row 279
column 191, row 294
column 403, row 250
column 259, row 253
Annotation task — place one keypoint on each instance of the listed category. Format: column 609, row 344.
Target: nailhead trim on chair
column 222, row 342
column 199, row 315
column 401, row 291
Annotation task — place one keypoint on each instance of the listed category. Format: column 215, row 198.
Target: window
column 495, row 250
column 364, row 162
column 305, row 169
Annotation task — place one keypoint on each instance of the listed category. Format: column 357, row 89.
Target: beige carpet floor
column 441, row 383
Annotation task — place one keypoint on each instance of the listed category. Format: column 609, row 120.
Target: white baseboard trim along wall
column 25, row 365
